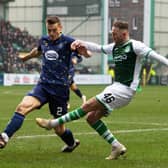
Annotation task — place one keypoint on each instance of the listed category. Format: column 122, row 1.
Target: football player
column 53, row 85
column 127, row 55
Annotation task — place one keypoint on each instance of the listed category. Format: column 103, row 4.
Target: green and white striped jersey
column 128, row 59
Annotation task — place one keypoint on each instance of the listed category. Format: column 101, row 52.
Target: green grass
column 141, row 126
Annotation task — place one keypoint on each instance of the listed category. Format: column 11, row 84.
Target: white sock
column 5, row 137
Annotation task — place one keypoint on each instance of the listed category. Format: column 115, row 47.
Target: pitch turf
column 142, row 127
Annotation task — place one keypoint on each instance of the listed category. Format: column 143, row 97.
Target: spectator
column 13, row 41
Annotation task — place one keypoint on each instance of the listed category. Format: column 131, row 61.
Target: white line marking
column 108, row 122
column 14, row 92
column 93, row 133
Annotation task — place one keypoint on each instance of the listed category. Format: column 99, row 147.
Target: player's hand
column 22, row 56
column 74, row 61
column 81, row 48
column 83, row 51
column 76, row 44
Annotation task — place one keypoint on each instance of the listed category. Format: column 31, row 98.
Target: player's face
column 118, row 35
column 54, row 30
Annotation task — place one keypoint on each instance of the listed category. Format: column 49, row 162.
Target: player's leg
column 77, row 91
column 58, row 107
column 93, row 118
column 33, row 100
column 66, row 135
column 78, row 113
column 112, row 97
column 26, row 106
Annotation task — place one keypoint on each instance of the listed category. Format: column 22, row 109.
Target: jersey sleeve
column 106, row 49
column 141, row 49
column 158, row 57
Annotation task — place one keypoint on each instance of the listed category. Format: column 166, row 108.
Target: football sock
column 78, row 93
column 73, row 115
column 103, row 131
column 68, row 138
column 14, row 124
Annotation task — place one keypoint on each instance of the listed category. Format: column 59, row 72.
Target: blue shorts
column 56, row 98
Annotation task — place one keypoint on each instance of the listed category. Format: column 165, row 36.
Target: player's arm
column 80, row 49
column 158, row 57
column 84, row 52
column 74, row 60
column 32, row 54
column 93, row 47
column 142, row 50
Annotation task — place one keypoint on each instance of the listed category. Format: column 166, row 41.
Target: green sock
column 73, row 115
column 103, row 131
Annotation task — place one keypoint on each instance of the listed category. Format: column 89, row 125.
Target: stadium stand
column 12, row 42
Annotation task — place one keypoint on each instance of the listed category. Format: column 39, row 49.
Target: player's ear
column 125, row 33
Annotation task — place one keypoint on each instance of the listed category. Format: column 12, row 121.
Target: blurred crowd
column 13, row 41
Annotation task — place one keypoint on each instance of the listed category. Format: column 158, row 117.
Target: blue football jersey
column 56, row 60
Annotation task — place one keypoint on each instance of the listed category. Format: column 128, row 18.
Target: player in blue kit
column 53, row 85
column 75, row 60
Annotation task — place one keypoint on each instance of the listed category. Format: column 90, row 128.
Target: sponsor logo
column 51, row 55
column 127, row 49
column 120, row 58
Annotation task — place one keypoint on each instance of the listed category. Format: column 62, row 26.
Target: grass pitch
column 142, row 127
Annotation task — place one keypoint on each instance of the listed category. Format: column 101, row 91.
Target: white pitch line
column 13, row 93
column 93, row 133
column 130, row 122
column 109, row 122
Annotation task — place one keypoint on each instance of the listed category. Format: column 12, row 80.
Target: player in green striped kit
column 128, row 56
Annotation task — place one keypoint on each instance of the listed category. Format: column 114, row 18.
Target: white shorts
column 115, row 96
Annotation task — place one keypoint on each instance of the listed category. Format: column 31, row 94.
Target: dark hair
column 53, row 20
column 121, row 24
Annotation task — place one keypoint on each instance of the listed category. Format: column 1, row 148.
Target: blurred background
column 22, row 22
